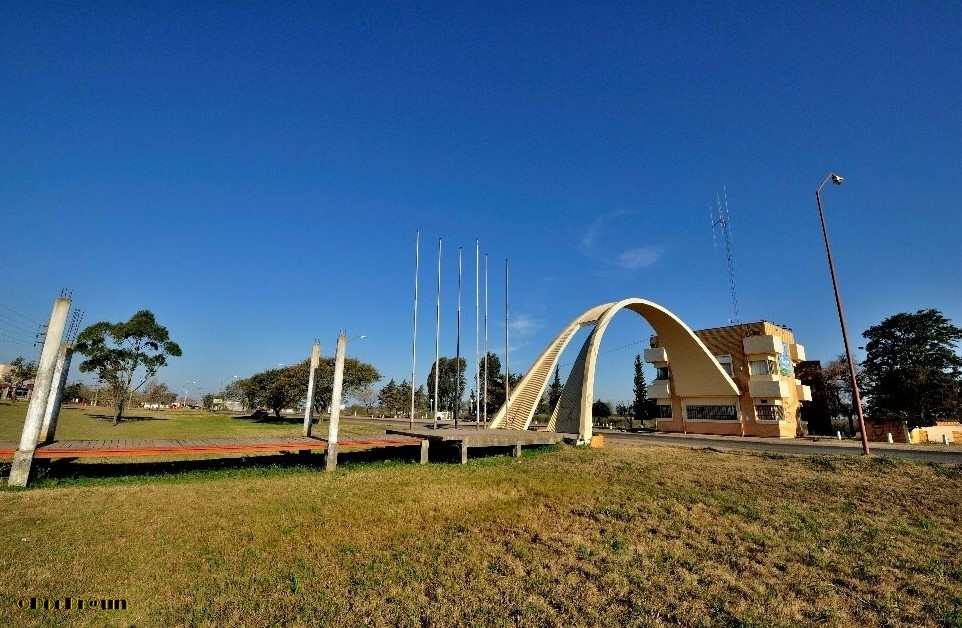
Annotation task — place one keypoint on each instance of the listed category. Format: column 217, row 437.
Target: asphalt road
column 944, row 454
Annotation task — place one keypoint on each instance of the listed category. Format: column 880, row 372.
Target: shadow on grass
column 105, row 417
column 270, row 419
column 68, row 472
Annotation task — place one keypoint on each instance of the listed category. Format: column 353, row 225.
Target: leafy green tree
column 450, row 380
column 117, row 352
column 208, row 401
column 159, row 393
column 18, row 374
column 912, row 369
column 286, row 387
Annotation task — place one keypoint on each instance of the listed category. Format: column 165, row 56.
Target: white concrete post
column 48, row 429
column 23, row 458
column 945, row 439
column 309, row 410
column 336, row 392
column 839, row 432
column 891, row 440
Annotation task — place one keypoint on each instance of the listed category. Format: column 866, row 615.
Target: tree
column 159, row 393
column 117, row 351
column 18, row 374
column 450, row 380
column 642, row 408
column 208, row 402
column 816, row 413
column 600, row 409
column 496, row 383
column 913, row 372
column 554, row 391
column 287, row 387
column 838, row 389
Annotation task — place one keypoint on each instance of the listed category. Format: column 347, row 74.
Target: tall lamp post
column 856, row 400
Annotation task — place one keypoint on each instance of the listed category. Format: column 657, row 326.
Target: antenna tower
column 723, row 221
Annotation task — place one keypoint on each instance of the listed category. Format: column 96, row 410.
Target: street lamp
column 856, row 401
column 186, row 387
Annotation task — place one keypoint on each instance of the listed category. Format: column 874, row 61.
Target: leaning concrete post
column 309, row 410
column 48, row 429
column 338, row 385
column 23, row 458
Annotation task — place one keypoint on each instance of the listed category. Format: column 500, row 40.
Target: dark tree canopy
column 495, row 378
column 642, row 408
column 286, row 387
column 912, row 369
column 600, row 409
column 450, row 380
column 117, row 351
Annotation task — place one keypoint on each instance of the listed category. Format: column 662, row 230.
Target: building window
column 762, row 367
column 769, row 413
column 661, row 372
column 725, row 361
column 663, row 412
column 712, row 413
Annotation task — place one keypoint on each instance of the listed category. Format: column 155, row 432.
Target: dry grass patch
column 642, row 537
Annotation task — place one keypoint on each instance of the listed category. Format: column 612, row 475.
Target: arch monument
column 695, row 372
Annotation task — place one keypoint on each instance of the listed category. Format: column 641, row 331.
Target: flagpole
column 437, row 340
column 485, row 338
column 457, row 352
column 507, row 351
column 477, row 356
column 414, row 342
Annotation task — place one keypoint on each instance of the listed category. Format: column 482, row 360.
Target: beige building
column 760, row 359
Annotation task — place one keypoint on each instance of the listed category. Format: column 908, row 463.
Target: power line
column 23, row 316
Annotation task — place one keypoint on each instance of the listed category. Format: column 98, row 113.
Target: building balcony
column 798, row 352
column 659, row 389
column 768, row 387
column 658, row 354
column 755, row 345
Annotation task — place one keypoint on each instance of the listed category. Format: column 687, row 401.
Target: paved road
column 945, row 454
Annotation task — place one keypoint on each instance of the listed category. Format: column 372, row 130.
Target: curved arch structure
column 695, row 372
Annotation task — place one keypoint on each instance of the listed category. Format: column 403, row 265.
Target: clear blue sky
column 254, row 173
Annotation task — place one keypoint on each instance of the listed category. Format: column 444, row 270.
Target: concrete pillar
column 309, row 410
column 338, row 385
column 463, row 450
column 424, row 450
column 330, row 457
column 516, row 451
column 891, row 440
column 23, row 458
column 48, row 429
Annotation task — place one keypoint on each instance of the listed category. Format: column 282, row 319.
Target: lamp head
column 837, row 180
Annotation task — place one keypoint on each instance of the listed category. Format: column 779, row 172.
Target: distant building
column 760, row 359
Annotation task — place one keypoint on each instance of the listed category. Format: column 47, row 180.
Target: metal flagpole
column 507, row 351
column 437, row 341
column 485, row 338
column 414, row 342
column 477, row 357
column 457, row 352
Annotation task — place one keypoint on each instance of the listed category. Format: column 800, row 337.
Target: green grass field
column 85, row 422
column 643, row 536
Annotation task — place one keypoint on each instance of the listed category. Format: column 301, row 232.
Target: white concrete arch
column 695, row 372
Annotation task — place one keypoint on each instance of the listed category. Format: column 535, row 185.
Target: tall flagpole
column 414, row 342
column 485, row 338
column 437, row 340
column 477, row 356
column 507, row 351
column 457, row 352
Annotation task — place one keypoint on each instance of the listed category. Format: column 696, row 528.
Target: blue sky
column 254, row 173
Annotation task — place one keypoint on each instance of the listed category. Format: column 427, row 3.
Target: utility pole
column 309, row 410
column 23, row 458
